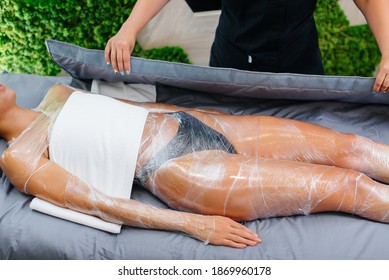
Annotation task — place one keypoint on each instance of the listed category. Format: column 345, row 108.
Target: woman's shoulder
column 59, row 92
column 56, row 96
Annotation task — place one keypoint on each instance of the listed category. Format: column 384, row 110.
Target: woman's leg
column 280, row 138
column 245, row 188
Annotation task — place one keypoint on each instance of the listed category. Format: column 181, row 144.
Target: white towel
column 97, row 139
column 132, row 92
column 73, row 216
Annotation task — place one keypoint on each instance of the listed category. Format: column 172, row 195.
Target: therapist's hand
column 118, row 51
column 382, row 80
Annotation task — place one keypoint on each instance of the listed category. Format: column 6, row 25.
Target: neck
column 15, row 121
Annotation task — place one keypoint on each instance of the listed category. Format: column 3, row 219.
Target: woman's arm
column 376, row 14
column 52, row 183
column 120, row 46
column 216, row 230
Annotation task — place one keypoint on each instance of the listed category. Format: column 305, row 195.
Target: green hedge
column 346, row 50
column 25, row 24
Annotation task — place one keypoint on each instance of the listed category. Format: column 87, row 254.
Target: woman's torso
column 83, row 138
column 97, row 139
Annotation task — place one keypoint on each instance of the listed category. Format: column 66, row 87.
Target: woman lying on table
column 214, row 170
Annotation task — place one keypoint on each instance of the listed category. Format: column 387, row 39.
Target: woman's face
column 7, row 98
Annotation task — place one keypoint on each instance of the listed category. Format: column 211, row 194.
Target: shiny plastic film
column 215, row 170
column 33, row 142
column 268, row 167
column 82, row 198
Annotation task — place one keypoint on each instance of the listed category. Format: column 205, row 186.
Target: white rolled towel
column 73, row 216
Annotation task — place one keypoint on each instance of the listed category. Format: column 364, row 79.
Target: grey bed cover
column 342, row 103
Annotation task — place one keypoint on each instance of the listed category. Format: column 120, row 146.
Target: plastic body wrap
column 281, row 167
column 215, row 169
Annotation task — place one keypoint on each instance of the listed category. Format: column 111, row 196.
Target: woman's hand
column 218, row 230
column 382, row 80
column 118, row 51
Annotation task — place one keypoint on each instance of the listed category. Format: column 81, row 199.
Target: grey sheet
column 25, row 234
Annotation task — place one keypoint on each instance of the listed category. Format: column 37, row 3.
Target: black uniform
column 267, row 36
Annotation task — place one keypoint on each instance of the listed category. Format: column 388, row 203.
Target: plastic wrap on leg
column 261, row 178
